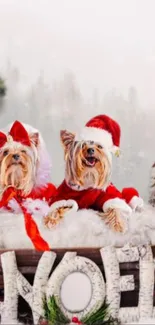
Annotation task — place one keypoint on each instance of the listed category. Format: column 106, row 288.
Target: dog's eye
column 23, row 151
column 100, row 147
column 5, row 153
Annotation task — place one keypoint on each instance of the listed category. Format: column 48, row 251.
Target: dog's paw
column 55, row 217
column 57, row 212
column 70, row 204
column 112, row 218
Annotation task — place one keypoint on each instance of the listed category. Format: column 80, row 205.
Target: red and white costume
column 97, row 199
column 38, row 200
column 106, row 132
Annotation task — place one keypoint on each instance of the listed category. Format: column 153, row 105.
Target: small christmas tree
column 3, row 88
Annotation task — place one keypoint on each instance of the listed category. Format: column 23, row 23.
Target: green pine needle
column 53, row 313
column 54, row 316
column 100, row 317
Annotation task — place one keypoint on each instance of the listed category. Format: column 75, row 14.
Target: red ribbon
column 18, row 133
column 76, row 320
column 30, row 225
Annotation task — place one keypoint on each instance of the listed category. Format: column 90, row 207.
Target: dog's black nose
column 16, row 156
column 90, row 151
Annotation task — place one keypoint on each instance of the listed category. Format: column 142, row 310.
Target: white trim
column 97, row 135
column 64, row 203
column 117, row 203
column 136, row 203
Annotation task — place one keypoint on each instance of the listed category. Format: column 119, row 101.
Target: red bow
column 30, row 225
column 76, row 320
column 18, row 133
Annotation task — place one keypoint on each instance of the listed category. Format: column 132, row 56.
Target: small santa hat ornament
column 104, row 131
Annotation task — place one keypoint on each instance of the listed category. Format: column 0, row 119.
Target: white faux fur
column 119, row 204
column 83, row 228
column 136, row 202
column 64, row 203
column 97, row 135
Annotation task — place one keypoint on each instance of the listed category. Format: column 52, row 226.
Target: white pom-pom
column 117, row 203
column 136, row 203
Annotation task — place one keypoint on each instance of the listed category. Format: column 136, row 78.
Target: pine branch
column 100, row 317
column 54, row 316
column 3, row 88
column 53, row 313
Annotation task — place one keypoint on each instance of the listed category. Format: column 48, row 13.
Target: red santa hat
column 103, row 130
column 19, row 132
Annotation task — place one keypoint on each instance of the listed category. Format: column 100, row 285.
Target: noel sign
column 78, row 285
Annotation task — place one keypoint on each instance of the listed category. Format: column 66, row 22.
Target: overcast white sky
column 106, row 43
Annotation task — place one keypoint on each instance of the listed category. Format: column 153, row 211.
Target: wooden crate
column 27, row 261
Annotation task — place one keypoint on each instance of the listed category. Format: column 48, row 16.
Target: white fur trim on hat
column 136, row 203
column 97, row 135
column 44, row 168
column 118, row 204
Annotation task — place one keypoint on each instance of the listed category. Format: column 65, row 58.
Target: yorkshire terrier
column 88, row 158
column 24, row 177
column 87, row 168
column 18, row 164
column 87, row 165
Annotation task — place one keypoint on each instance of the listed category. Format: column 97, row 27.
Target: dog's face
column 18, row 165
column 87, row 164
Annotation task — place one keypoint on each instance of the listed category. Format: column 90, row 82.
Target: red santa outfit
column 38, row 200
column 106, row 132
column 96, row 199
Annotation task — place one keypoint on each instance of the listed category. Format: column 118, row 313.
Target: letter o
column 91, row 270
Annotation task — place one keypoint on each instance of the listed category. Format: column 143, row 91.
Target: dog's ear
column 34, row 138
column 67, row 139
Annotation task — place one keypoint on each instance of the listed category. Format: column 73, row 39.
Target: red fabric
column 104, row 122
column 129, row 193
column 18, row 134
column 45, row 192
column 3, row 139
column 30, row 225
column 90, row 198
column 33, row 232
column 110, row 193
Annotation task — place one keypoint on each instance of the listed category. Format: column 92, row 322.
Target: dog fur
column 87, row 181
